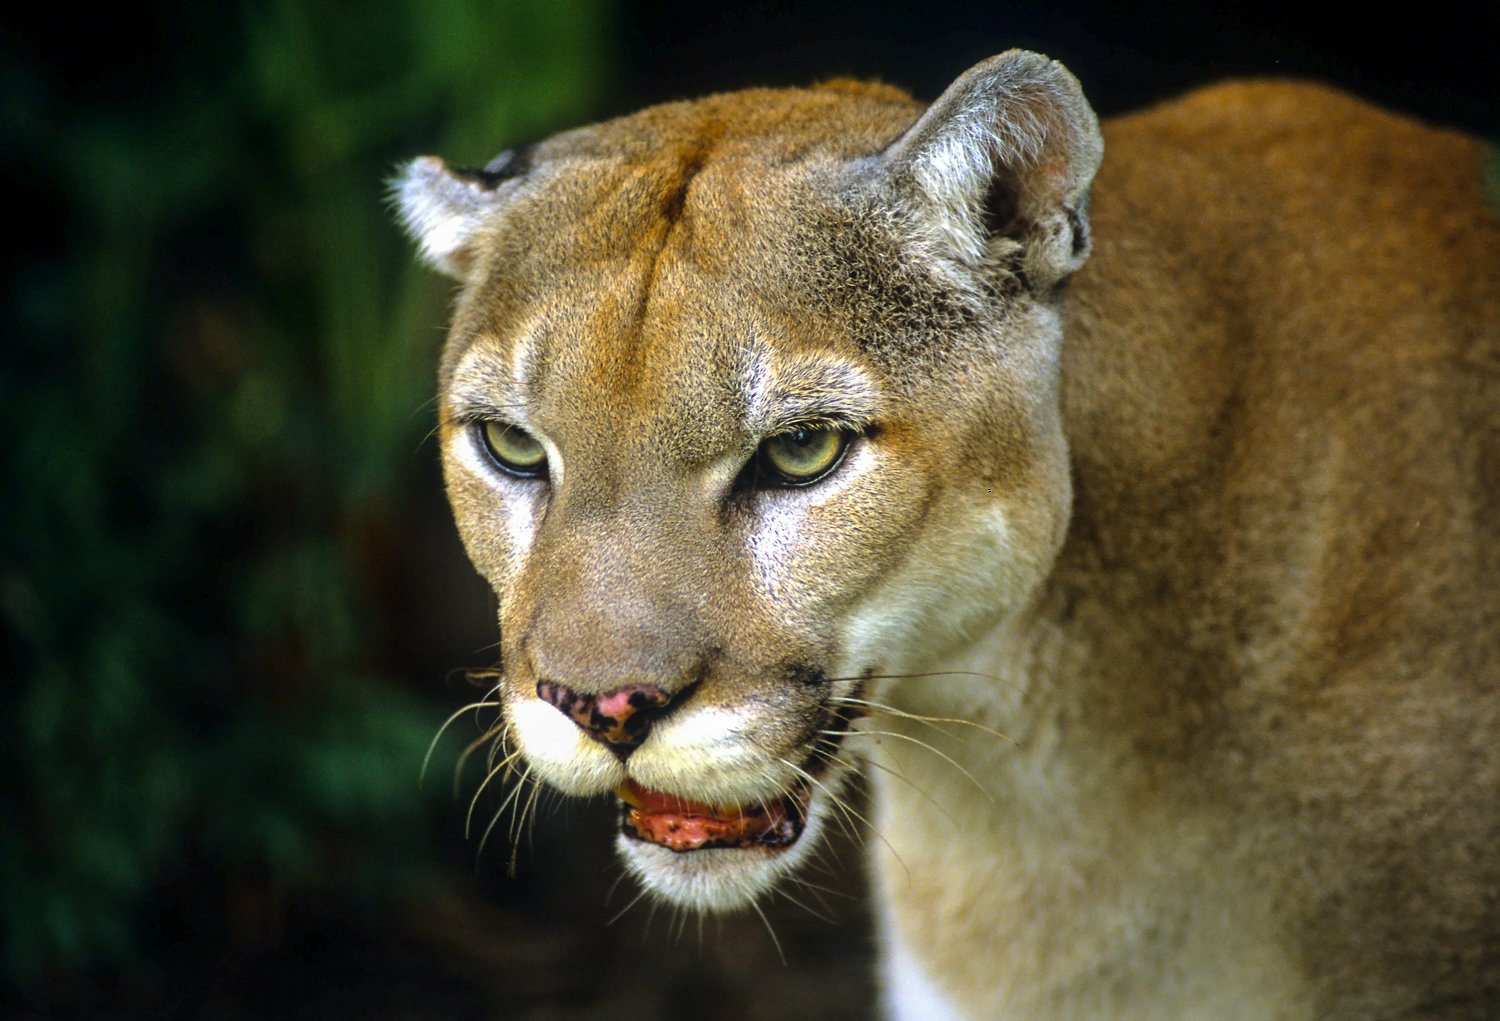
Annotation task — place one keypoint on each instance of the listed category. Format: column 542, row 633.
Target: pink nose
column 619, row 718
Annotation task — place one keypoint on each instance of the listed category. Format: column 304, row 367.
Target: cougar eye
column 514, row 449
column 800, row 457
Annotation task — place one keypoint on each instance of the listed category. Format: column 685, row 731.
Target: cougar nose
column 619, row 718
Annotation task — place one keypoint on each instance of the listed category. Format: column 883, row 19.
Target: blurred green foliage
column 217, row 372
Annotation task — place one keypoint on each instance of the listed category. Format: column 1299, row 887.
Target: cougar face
column 727, row 456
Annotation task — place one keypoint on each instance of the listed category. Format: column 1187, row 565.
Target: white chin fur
column 724, row 878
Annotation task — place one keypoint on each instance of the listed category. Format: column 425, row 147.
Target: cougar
column 1133, row 521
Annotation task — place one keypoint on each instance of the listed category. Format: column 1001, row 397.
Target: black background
column 1436, row 60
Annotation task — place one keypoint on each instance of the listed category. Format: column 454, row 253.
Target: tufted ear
column 998, row 169
column 442, row 208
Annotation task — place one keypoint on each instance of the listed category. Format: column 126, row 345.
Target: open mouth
column 679, row 824
column 773, row 824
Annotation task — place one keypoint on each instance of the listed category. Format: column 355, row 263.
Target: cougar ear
column 442, row 208
column 1000, row 166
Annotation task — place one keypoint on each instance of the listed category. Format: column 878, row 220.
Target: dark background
column 1436, row 60
column 231, row 601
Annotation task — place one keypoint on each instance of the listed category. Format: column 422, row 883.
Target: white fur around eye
column 521, row 499
column 520, row 520
column 777, row 535
column 780, row 531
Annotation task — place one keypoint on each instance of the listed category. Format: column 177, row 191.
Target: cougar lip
column 682, row 825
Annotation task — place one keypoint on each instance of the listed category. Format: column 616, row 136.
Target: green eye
column 514, row 449
column 801, row 456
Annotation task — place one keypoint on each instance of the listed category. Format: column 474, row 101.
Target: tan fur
column 1208, row 529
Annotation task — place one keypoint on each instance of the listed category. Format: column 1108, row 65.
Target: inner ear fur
column 442, row 208
column 999, row 167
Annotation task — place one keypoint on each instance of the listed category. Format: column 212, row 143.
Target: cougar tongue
column 679, row 824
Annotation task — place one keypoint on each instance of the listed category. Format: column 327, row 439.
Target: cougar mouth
column 706, row 855
column 682, row 825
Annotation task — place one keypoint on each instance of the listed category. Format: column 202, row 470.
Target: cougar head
column 747, row 403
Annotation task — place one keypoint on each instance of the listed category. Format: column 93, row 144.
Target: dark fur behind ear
column 1001, row 165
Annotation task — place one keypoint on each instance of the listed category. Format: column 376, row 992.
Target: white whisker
column 782, row 891
column 897, row 774
column 932, row 721
column 839, row 802
column 509, row 798
column 609, row 894
column 941, row 754
column 432, row 747
column 474, row 801
column 625, row 910
column 774, row 941
column 519, row 825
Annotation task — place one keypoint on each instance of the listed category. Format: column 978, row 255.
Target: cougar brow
column 808, row 391
column 484, row 386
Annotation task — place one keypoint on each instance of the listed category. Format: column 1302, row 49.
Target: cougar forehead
column 696, row 228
